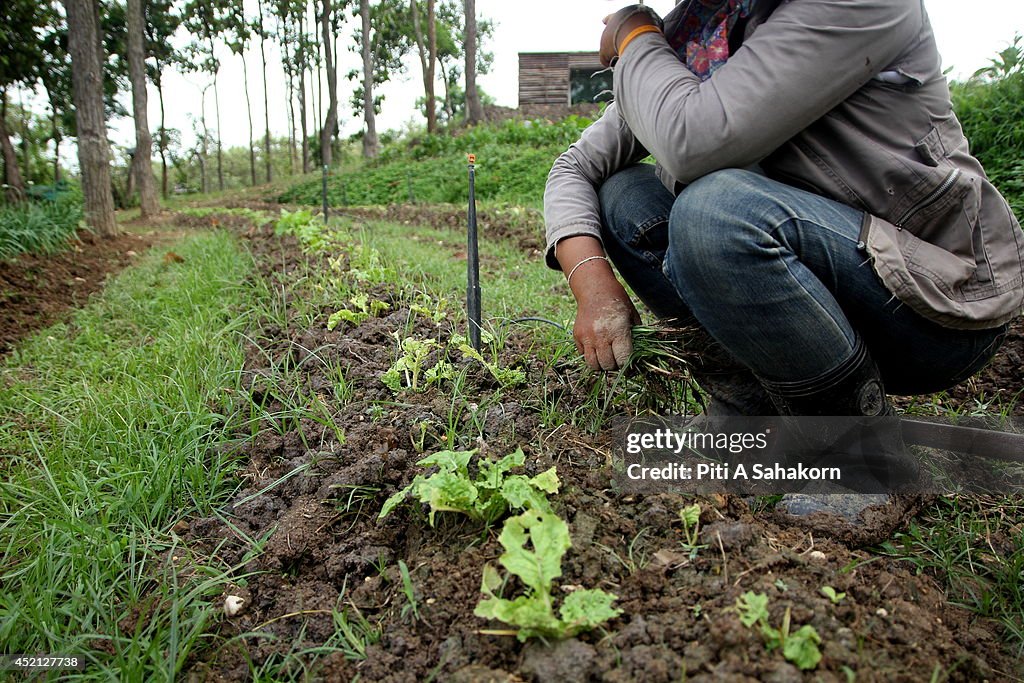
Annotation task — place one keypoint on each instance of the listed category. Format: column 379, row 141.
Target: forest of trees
column 91, row 61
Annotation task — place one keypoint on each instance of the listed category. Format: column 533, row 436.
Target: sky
column 966, row 40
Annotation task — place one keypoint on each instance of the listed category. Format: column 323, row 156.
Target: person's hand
column 620, row 25
column 604, row 323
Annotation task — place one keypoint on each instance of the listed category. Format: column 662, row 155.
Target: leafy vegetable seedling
column 799, row 647
column 362, row 308
column 830, row 593
column 408, row 369
column 690, row 517
column 534, row 544
column 486, row 497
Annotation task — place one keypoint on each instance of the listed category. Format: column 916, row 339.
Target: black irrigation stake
column 473, row 262
column 324, row 192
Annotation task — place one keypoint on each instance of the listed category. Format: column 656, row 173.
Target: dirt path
column 327, row 552
column 38, row 290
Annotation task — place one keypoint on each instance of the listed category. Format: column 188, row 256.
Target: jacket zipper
column 929, row 199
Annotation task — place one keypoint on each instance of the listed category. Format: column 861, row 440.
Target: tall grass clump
column 513, row 160
column 40, row 226
column 990, row 105
column 112, row 429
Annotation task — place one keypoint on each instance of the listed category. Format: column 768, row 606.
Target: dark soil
column 36, row 290
column 314, row 498
column 1001, row 383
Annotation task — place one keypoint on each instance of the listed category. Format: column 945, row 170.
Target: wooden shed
column 562, row 78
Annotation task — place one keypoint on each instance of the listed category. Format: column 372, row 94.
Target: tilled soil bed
column 37, row 289
column 314, row 498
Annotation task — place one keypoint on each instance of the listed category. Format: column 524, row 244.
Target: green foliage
column 486, row 497
column 303, row 226
column 505, row 377
column 534, row 544
column 115, row 429
column 834, row 596
column 42, row 226
column 752, row 608
column 799, row 647
column 411, row 606
column 943, row 542
column 363, row 309
column 991, row 108
column 690, row 517
column 513, row 160
column 406, row 371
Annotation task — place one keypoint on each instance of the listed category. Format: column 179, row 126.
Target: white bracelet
column 572, row 272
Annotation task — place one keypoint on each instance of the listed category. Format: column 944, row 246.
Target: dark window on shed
column 589, row 85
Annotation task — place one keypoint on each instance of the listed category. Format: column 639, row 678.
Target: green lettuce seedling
column 405, row 373
column 362, row 309
column 486, row 497
column 799, row 647
column 537, row 567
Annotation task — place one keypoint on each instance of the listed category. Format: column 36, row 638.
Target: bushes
column 513, row 160
column 991, row 109
column 41, row 226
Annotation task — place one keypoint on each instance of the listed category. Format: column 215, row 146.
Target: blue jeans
column 774, row 274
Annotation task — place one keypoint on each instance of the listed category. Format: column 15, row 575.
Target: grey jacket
column 844, row 98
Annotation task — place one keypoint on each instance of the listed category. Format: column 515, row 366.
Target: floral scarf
column 702, row 36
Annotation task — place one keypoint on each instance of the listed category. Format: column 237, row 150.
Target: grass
column 976, row 547
column 513, row 160
column 39, row 226
column 114, row 427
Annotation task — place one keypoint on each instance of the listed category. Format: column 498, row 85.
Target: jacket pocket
column 914, row 185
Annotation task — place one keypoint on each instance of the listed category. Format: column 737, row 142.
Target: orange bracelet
column 639, row 30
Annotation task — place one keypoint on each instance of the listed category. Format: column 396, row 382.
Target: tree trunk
column 427, row 47
column 26, row 135
column 474, row 110
column 449, row 103
column 266, row 98
column 220, row 142
column 162, row 146
column 327, row 134
column 12, row 172
column 204, row 155
column 56, row 147
column 302, row 91
column 319, row 101
column 248, row 107
column 319, row 83
column 370, row 145
column 293, row 157
column 87, row 80
column 148, row 203
column 286, row 56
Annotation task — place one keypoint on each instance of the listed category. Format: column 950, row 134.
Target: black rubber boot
column 852, row 388
column 869, row 450
column 734, row 390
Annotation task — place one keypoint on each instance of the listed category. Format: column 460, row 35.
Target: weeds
column 42, row 226
column 410, row 606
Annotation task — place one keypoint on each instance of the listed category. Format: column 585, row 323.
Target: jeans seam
column 643, row 228
column 839, row 327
